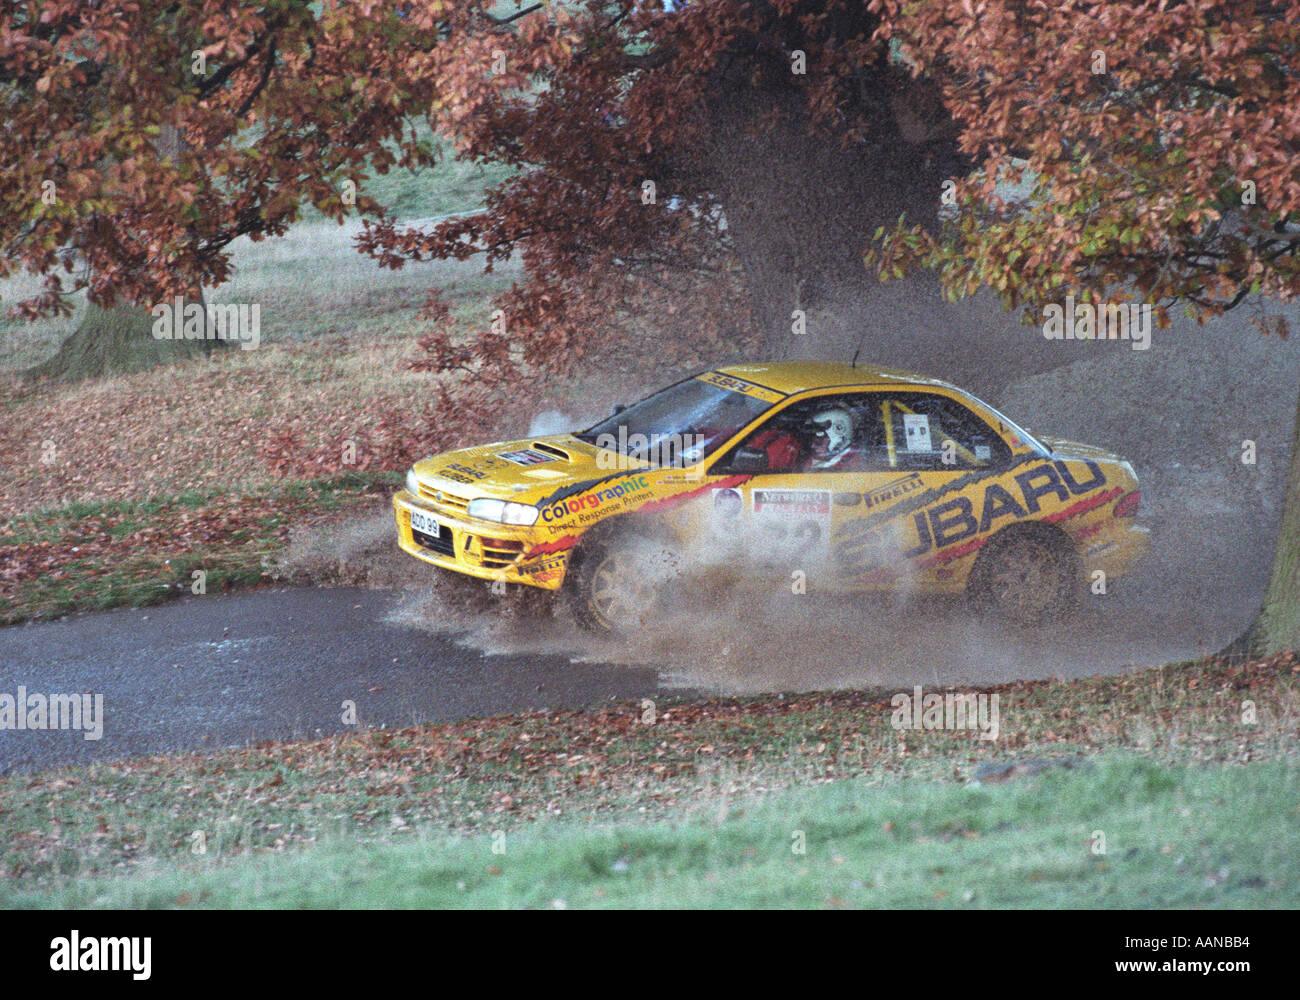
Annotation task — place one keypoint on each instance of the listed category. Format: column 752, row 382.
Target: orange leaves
column 157, row 69
column 1151, row 129
column 1138, row 126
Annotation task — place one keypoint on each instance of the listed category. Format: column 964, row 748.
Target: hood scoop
column 550, row 449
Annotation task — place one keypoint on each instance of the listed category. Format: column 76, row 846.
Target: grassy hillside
column 703, row 806
column 311, row 282
column 1205, row 837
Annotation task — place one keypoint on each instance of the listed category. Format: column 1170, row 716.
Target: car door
column 926, row 459
column 785, row 516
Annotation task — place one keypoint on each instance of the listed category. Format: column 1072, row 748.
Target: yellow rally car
column 823, row 475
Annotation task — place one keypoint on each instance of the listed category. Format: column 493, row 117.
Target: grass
column 311, row 282
column 1203, row 837
column 1144, row 746
column 450, row 187
column 114, row 554
column 198, row 426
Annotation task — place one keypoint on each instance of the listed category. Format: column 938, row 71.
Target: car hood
column 526, row 471
column 1063, row 448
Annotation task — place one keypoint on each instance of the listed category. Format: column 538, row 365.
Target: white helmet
column 834, row 434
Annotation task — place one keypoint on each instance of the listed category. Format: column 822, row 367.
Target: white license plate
column 425, row 524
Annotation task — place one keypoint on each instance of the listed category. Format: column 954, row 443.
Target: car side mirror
column 749, row 461
column 618, row 408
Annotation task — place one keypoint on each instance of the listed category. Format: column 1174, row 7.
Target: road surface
column 224, row 670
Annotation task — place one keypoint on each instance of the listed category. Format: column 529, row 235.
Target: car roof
column 799, row 376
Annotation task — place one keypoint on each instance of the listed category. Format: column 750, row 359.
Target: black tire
column 620, row 583
column 1026, row 576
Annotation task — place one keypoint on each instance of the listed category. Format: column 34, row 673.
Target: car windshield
column 676, row 426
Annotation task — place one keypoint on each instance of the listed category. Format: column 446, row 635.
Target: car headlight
column 502, row 511
column 412, row 483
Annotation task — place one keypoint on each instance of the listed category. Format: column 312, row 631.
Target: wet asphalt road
column 224, row 671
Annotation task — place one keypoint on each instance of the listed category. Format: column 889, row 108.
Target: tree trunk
column 801, row 212
column 1276, row 629
column 120, row 340
column 117, row 341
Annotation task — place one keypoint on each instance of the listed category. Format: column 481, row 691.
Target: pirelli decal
column 891, row 491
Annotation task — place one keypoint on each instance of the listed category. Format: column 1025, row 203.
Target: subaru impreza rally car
column 840, row 478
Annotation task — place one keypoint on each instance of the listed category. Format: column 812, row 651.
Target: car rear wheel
column 621, row 584
column 1025, row 577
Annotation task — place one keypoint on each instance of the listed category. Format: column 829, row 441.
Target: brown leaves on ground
column 101, row 536
column 196, row 427
column 841, row 732
column 226, row 431
column 131, row 552
column 584, row 763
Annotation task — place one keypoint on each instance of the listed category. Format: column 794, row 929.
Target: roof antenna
column 861, row 340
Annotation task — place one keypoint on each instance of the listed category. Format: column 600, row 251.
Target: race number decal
column 792, row 503
column 792, row 524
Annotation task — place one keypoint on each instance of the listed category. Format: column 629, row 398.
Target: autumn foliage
column 1155, row 150
column 142, row 136
column 152, row 134
column 1158, row 145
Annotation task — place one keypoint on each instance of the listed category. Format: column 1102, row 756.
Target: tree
column 716, row 105
column 119, row 339
column 663, row 143
column 272, row 105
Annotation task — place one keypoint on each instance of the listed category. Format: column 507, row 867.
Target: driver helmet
column 832, row 435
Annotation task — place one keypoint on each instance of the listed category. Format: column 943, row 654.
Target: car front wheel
column 620, row 585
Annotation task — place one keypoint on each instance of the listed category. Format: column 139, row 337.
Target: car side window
column 823, row 434
column 921, row 430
